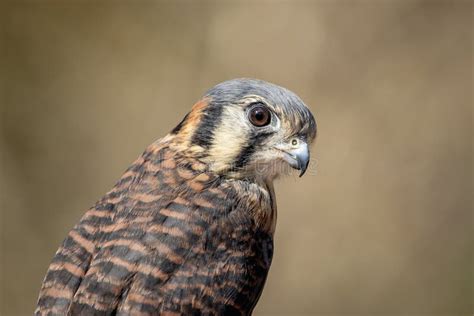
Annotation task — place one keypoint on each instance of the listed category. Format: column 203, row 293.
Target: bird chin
column 270, row 171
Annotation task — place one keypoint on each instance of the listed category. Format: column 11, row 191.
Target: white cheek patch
column 229, row 138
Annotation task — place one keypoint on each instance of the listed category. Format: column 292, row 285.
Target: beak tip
column 298, row 158
column 304, row 168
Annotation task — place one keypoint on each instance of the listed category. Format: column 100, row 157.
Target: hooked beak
column 298, row 157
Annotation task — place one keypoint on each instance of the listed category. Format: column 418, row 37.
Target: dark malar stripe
column 210, row 120
column 244, row 156
column 255, row 139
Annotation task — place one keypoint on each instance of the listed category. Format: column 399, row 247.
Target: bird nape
column 188, row 229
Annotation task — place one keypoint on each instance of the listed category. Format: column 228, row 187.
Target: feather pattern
column 188, row 229
column 171, row 238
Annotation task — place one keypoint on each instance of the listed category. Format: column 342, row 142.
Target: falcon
column 188, row 228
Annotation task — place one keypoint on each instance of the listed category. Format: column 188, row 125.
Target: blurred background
column 383, row 222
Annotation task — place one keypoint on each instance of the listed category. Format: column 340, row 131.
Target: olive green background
column 380, row 225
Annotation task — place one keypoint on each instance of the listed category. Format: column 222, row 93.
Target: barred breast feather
column 170, row 238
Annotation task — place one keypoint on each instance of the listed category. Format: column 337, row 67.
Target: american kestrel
column 188, row 229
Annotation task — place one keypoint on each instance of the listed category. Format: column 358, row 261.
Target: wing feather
column 167, row 237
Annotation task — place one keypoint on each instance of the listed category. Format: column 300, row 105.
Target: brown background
column 382, row 225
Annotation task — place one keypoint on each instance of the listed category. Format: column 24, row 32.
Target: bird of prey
column 188, row 229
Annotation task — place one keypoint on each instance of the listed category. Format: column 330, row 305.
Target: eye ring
column 259, row 115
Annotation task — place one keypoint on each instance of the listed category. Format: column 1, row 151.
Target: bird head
column 247, row 128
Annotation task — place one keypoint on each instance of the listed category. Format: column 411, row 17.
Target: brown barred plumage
column 173, row 237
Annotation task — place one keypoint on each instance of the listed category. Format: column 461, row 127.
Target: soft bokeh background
column 383, row 225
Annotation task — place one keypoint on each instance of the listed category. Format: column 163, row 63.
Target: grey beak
column 303, row 162
column 298, row 158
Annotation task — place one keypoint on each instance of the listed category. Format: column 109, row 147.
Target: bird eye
column 259, row 115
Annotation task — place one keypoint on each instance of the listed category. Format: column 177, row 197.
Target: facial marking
column 234, row 141
column 188, row 126
column 209, row 119
column 230, row 136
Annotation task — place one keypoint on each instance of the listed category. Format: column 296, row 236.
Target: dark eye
column 259, row 115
